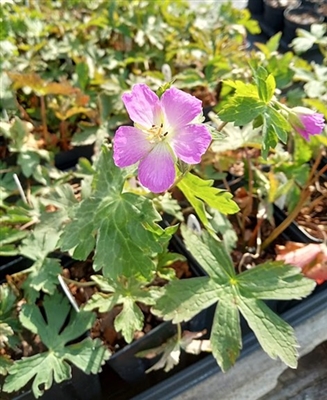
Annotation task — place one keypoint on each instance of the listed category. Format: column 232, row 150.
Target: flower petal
column 130, row 146
column 142, row 105
column 191, row 142
column 157, row 169
column 179, row 107
column 314, row 124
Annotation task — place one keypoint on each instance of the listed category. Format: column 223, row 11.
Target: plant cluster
column 213, row 129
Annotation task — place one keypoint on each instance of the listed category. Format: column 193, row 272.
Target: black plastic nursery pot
column 80, row 387
column 301, row 17
column 255, row 6
column 273, row 15
column 12, row 265
column 268, row 28
column 65, row 160
column 124, row 375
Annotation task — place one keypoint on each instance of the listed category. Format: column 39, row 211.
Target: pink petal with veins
column 157, row 170
column 130, row 146
column 191, row 142
column 142, row 105
column 179, row 107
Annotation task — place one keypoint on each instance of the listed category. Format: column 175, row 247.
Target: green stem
column 181, row 176
column 179, row 332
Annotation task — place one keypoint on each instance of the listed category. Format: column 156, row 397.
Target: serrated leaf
column 199, row 191
column 183, row 299
column 43, row 368
column 104, row 284
column 116, row 224
column 243, row 89
column 270, row 139
column 39, row 243
column 5, row 332
column 5, row 364
column 210, row 254
column 276, row 120
column 274, row 281
column 102, row 301
column 43, row 276
column 125, row 293
column 241, row 110
column 275, row 336
column 28, row 160
column 129, row 320
column 265, row 83
column 226, row 339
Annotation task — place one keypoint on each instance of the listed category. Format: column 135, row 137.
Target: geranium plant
column 117, row 216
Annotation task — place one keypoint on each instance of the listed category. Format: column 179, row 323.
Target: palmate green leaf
column 126, row 293
column 199, row 191
column 117, row 224
column 43, row 368
column 235, row 293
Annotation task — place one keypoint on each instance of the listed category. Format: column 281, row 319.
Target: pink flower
column 163, row 131
column 307, row 122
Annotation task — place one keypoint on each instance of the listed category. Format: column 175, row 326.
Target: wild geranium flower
column 163, row 131
column 307, row 122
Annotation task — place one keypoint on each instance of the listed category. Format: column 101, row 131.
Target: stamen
column 165, row 134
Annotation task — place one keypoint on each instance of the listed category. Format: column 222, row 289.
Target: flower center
column 156, row 133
